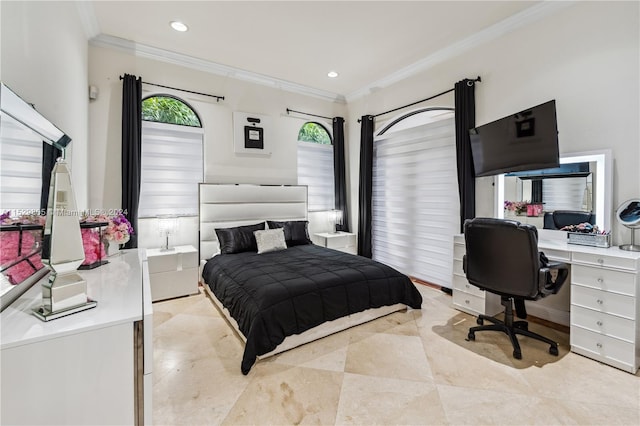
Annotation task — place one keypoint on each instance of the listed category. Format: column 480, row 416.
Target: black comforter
column 278, row 294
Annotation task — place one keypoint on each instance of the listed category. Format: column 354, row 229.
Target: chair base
column 511, row 328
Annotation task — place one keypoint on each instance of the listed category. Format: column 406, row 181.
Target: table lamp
column 168, row 225
column 335, row 216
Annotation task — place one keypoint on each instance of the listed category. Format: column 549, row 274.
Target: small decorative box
column 587, row 239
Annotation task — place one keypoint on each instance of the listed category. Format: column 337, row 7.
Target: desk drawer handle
column 600, row 280
column 467, row 301
column 599, row 301
column 601, row 261
column 599, row 323
column 467, row 286
column 599, row 345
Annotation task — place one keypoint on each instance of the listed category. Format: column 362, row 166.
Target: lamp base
column 46, row 315
column 630, row 247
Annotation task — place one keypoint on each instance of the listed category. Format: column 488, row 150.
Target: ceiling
column 369, row 43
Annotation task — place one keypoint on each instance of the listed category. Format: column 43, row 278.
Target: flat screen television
column 527, row 140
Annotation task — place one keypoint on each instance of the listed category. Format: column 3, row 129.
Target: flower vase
column 111, row 248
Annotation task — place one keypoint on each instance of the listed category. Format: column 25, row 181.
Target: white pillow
column 270, row 240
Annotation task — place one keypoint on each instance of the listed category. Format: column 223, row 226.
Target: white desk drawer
column 604, row 260
column 469, row 301
column 457, row 267
column 557, row 255
column 458, row 251
column 602, row 301
column 460, row 283
column 602, row 347
column 601, row 323
column 604, row 279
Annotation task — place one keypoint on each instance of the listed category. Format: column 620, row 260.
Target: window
column 172, row 158
column 21, row 167
column 315, row 165
column 415, row 198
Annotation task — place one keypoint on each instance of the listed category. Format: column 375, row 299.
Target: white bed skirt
column 318, row 332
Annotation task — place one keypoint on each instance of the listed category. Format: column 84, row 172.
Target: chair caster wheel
column 553, row 350
column 517, row 354
column 479, row 321
column 471, row 336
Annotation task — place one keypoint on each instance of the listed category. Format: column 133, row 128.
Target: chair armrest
column 464, row 263
column 548, row 285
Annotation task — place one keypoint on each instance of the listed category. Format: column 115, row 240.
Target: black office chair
column 558, row 219
column 502, row 257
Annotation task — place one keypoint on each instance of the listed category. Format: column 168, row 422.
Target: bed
column 284, row 297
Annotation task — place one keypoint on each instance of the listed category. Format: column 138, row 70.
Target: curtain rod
column 183, row 90
column 306, row 113
column 470, row 82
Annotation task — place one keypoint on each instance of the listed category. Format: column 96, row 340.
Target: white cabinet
column 342, row 241
column 173, row 273
column 467, row 297
column 605, row 308
column 85, row 368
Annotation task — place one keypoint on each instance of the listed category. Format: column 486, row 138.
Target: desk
column 604, row 310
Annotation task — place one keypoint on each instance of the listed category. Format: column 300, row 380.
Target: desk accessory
column 628, row 214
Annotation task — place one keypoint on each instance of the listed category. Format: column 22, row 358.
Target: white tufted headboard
column 230, row 205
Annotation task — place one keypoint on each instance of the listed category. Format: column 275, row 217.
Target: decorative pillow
column 296, row 232
column 238, row 239
column 270, row 240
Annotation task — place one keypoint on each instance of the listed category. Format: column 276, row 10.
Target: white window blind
column 20, row 168
column 415, row 201
column 566, row 194
column 315, row 170
column 172, row 167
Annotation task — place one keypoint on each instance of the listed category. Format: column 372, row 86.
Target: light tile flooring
column 410, row 367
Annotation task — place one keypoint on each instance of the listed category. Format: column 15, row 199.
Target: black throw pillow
column 296, row 232
column 238, row 239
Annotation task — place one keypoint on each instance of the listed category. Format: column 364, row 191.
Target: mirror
column 572, row 189
column 22, row 132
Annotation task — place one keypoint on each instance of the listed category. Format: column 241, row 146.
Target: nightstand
column 342, row 241
column 173, row 273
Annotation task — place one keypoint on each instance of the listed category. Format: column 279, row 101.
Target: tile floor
column 410, row 367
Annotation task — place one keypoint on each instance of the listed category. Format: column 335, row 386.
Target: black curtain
column 131, row 151
column 536, row 191
column 366, row 184
column 465, row 105
column 340, row 178
column 49, row 156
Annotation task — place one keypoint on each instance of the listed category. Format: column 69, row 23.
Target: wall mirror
column 22, row 133
column 583, row 182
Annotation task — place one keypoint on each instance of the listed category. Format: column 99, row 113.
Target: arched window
column 172, row 157
column 315, row 165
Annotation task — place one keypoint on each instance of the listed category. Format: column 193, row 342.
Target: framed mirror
column 583, row 183
column 24, row 135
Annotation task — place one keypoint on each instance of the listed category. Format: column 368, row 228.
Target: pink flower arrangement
column 118, row 230
column 516, row 206
column 24, row 253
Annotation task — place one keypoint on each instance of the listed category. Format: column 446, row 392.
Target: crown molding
column 512, row 23
column 158, row 54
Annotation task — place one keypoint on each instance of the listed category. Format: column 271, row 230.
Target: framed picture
column 251, row 133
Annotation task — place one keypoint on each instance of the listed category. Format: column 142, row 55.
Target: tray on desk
column 585, row 239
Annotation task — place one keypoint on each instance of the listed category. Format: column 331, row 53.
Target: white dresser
column 342, row 241
column 92, row 367
column 173, row 273
column 604, row 309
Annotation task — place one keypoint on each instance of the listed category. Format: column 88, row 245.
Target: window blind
column 415, row 201
column 566, row 194
column 20, row 168
column 315, row 170
column 172, row 167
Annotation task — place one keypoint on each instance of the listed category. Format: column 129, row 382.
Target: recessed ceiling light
column 179, row 26
column 332, row 74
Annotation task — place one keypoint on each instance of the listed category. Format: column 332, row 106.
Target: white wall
column 44, row 59
column 222, row 165
column 586, row 57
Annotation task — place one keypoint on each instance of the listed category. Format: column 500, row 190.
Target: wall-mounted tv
column 527, row 140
